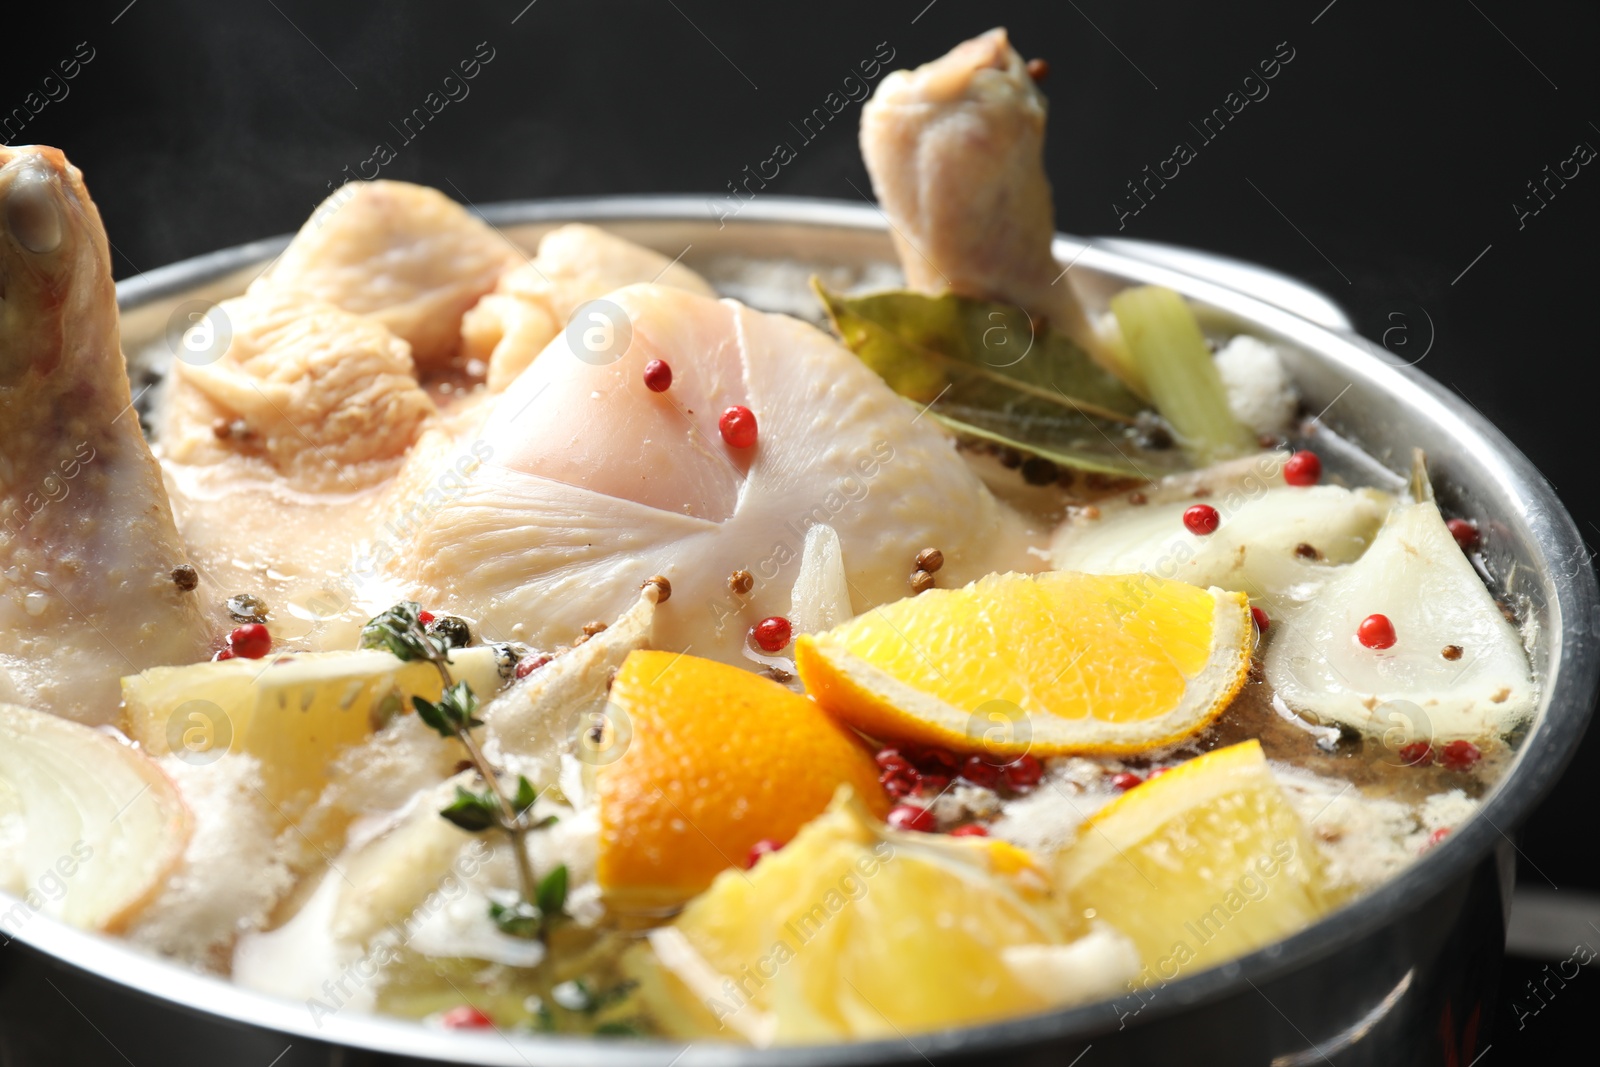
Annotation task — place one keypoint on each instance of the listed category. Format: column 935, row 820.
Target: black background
column 1384, row 166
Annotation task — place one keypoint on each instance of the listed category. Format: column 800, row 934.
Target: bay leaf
column 988, row 370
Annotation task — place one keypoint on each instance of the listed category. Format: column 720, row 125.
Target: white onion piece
column 1256, row 551
column 90, row 828
column 1417, row 575
column 820, row 599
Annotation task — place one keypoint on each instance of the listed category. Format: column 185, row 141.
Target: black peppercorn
column 454, row 630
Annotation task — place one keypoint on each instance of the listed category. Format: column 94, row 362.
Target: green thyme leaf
column 617, row 993
column 526, row 795
column 552, row 895
column 434, row 716
column 397, row 631
column 473, row 812
column 618, row 1028
column 517, row 920
column 460, row 703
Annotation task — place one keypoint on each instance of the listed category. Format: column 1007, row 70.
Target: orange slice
column 1055, row 663
column 718, row 759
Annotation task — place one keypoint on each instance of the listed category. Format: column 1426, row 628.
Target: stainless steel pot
column 1402, row 975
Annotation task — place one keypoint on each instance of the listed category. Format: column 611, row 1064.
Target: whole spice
column 1452, row 652
column 1260, row 617
column 527, row 666
column 251, row 641
column 1416, row 754
column 738, row 426
column 657, row 376
column 1465, row 533
column 465, row 1017
column 765, row 847
column 741, row 582
column 1376, row 631
column 912, row 817
column 243, row 607
column 1459, row 755
column 1302, row 468
column 1202, row 519
column 1022, row 773
column 663, row 588
column 1038, row 69
column 978, row 771
column 930, row 560
column 921, row 581
column 771, row 633
column 185, row 577
column 453, row 630
column 1037, row 470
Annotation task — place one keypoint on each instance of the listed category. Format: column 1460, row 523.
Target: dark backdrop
column 1389, row 164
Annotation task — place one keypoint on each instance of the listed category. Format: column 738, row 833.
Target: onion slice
column 1457, row 670
column 89, row 828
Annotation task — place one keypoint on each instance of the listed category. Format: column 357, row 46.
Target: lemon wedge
column 857, row 931
column 295, row 713
column 1198, row 866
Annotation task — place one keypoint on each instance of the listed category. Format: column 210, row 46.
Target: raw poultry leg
column 94, row 582
column 955, row 149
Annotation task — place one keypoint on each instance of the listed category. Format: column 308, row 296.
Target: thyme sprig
column 399, row 631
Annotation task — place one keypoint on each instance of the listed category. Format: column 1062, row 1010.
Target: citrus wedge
column 295, row 713
column 1055, row 663
column 1198, row 866
column 857, row 931
column 707, row 760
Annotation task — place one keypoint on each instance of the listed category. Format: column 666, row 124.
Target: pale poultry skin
column 594, row 484
column 533, row 302
column 281, row 452
column 405, row 255
column 955, row 150
column 94, row 581
column 538, row 509
column 327, row 399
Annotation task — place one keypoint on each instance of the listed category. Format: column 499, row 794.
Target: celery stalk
column 1172, row 358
